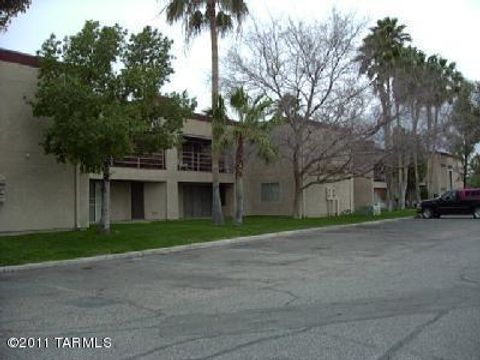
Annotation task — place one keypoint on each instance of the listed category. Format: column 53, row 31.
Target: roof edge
column 21, row 58
column 18, row 57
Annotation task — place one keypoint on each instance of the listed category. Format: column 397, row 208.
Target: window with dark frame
column 270, row 192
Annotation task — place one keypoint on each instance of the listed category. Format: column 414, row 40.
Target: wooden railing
column 152, row 161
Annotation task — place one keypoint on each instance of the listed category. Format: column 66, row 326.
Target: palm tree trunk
column 429, row 152
column 106, row 197
column 386, row 114
column 434, row 141
column 239, row 181
column 400, row 160
column 217, row 215
column 415, row 115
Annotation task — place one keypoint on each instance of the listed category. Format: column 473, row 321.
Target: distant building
column 446, row 174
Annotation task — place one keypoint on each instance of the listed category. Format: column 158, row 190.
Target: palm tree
column 407, row 91
column 250, row 128
column 218, row 16
column 441, row 86
column 378, row 58
column 466, row 120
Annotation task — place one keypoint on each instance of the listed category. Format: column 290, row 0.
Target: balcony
column 152, row 161
column 196, row 155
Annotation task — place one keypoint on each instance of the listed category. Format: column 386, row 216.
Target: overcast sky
column 449, row 28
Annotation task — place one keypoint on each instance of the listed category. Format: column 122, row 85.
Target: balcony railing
column 195, row 161
column 152, row 161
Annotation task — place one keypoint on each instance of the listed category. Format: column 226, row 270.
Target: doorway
column 138, row 203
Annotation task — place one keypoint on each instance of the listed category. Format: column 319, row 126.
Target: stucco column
column 171, row 159
column 171, row 162
column 172, row 200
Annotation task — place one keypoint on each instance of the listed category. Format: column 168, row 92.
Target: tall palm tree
column 378, row 58
column 250, row 128
column 441, row 86
column 408, row 87
column 218, row 16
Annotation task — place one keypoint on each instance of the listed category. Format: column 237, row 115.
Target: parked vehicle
column 454, row 202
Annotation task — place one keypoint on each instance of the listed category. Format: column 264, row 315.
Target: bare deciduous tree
column 309, row 71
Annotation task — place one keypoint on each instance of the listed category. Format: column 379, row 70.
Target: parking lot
column 408, row 289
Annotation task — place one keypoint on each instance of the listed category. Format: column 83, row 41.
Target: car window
column 448, row 196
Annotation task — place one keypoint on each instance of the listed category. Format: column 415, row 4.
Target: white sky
column 437, row 26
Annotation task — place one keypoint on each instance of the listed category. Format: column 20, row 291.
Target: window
column 449, row 196
column 270, row 192
column 450, row 179
column 472, row 194
column 95, row 201
column 223, row 195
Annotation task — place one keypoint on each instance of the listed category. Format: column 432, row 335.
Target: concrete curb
column 180, row 248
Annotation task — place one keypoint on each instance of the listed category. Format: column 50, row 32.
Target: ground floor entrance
column 195, row 199
column 127, row 200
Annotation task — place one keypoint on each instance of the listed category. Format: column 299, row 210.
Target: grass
column 21, row 249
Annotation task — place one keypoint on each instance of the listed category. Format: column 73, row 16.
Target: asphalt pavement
column 402, row 290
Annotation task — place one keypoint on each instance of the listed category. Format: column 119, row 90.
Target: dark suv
column 454, row 202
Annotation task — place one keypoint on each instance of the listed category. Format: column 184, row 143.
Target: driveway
column 401, row 290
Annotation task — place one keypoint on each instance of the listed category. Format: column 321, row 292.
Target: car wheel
column 427, row 213
column 476, row 213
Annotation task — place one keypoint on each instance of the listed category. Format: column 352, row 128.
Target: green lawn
column 21, row 249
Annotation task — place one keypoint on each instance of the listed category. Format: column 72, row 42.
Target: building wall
column 363, row 192
column 317, row 204
column 40, row 193
column 120, row 201
column 258, row 172
column 229, row 207
column 441, row 165
column 155, row 200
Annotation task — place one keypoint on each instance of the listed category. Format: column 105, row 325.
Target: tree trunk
column 105, row 226
column 429, row 152
column 387, row 118
column 239, row 181
column 434, row 142
column 298, row 199
column 298, row 187
column 217, row 215
column 465, row 166
column 417, row 178
column 400, row 159
column 415, row 115
column 403, row 187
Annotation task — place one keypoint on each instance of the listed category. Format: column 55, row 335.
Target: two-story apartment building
column 37, row 193
column 41, row 194
column 172, row 184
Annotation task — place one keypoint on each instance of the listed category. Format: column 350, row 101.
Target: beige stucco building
column 40, row 194
column 446, row 173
